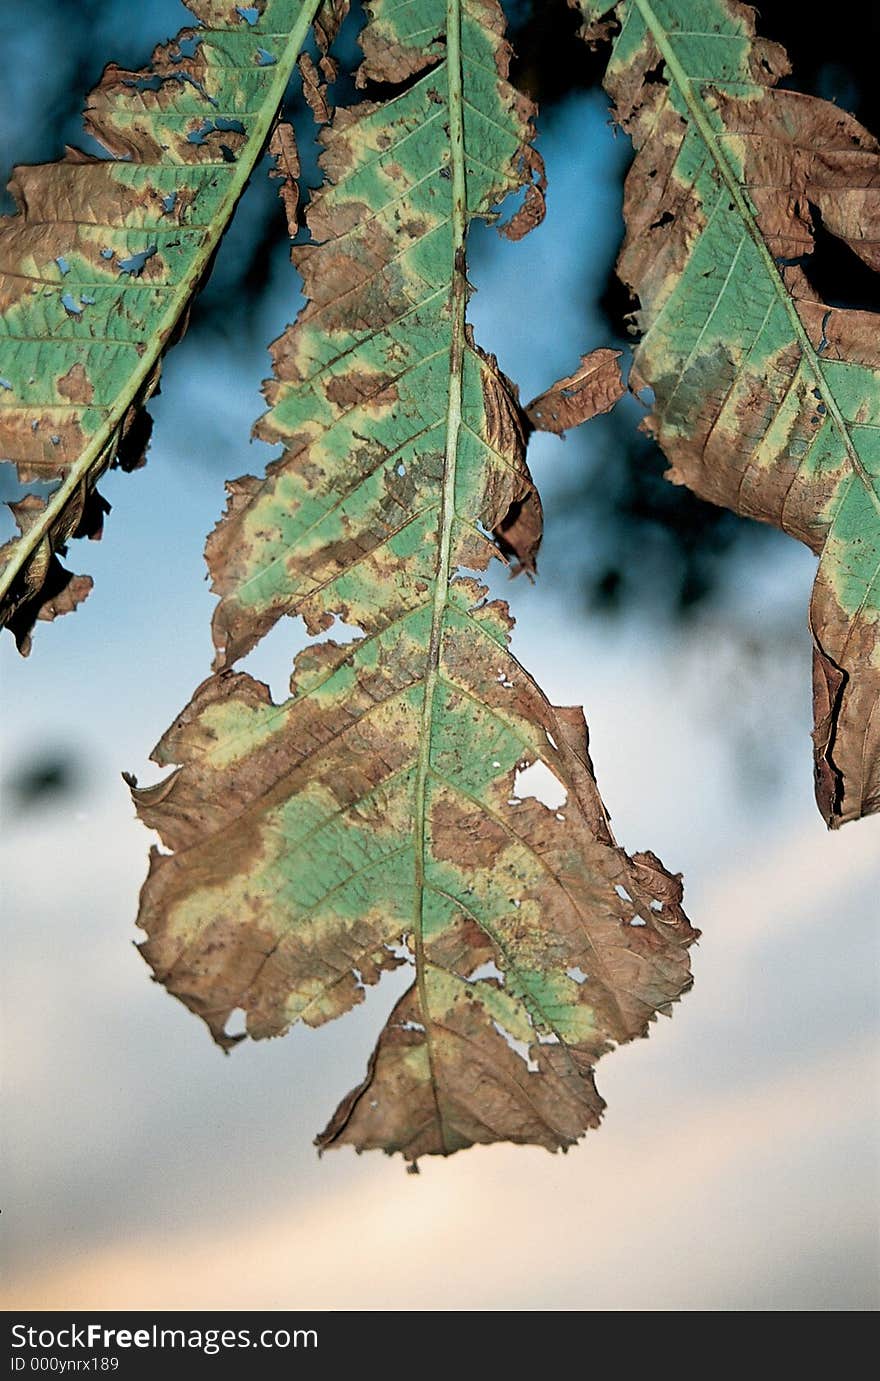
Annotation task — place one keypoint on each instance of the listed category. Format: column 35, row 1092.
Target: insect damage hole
column 487, row 970
column 402, row 950
column 133, row 266
column 520, row 1048
column 271, row 661
column 537, row 780
column 236, row 1024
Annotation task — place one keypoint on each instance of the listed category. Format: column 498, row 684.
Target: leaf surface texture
column 383, row 814
column 765, row 399
column 99, row 266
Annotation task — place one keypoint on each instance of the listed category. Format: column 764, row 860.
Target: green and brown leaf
column 384, row 813
column 100, row 264
column 766, row 400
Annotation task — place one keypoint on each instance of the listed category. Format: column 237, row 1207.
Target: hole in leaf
column 666, row 219
column 186, row 47
column 134, row 265
column 518, row 1047
column 400, row 951
column 837, row 274
column 236, row 1024
column 657, row 73
column 537, row 780
column 152, row 83
column 221, row 124
column 271, row 661
column 487, row 970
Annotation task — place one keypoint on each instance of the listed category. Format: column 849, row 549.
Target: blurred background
column 738, row 1166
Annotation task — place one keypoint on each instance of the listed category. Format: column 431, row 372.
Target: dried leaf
column 98, row 268
column 379, row 815
column 766, row 400
column 593, row 388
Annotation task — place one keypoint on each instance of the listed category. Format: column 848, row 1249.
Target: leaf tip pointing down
column 384, row 814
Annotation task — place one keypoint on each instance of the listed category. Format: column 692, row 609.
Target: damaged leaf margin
column 100, row 264
column 384, row 813
column 766, row 400
column 593, row 388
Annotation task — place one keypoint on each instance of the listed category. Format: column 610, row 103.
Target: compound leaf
column 766, row 400
column 386, row 812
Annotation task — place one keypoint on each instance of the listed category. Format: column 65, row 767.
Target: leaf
column 593, row 388
column 766, row 400
column 99, row 266
column 385, row 813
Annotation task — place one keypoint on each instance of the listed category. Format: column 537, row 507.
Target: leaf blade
column 764, row 396
column 373, row 818
column 98, row 268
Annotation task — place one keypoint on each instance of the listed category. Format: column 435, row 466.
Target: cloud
column 735, row 1169
column 653, row 1220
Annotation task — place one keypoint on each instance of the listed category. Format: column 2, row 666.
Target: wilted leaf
column 98, row 268
column 593, row 388
column 765, row 399
column 386, row 813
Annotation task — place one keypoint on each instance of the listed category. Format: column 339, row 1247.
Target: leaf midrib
column 731, row 182
column 94, row 456
column 458, row 310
